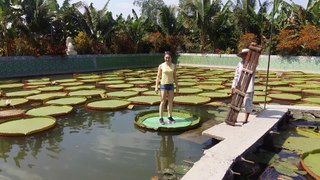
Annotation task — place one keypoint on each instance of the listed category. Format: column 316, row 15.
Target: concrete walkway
column 236, row 140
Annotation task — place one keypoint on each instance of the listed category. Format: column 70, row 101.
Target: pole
column 269, row 55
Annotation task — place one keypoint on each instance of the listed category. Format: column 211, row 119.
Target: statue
column 70, row 49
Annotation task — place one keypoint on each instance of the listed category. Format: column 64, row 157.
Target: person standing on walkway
column 248, row 99
column 167, row 74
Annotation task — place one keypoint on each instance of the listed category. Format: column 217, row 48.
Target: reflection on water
column 166, row 156
column 96, row 145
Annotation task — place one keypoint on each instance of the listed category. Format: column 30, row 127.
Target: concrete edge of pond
column 235, row 141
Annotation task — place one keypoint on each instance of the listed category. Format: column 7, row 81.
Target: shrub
column 309, row 40
column 82, row 43
column 246, row 39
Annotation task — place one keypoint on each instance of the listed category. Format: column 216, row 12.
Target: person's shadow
column 166, row 156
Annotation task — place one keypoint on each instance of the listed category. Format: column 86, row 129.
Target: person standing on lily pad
column 167, row 77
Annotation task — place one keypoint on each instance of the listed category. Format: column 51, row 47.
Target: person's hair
column 167, row 53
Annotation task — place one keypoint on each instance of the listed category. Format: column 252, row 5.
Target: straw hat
column 243, row 51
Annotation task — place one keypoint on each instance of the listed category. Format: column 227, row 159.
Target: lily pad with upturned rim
column 88, row 92
column 45, row 96
column 190, row 90
column 285, row 96
column 66, row 101
column 11, row 113
column 119, row 86
column 311, row 91
column 108, row 104
column 286, row 89
column 138, row 89
column 310, row 162
column 13, row 85
column 81, row 87
column 145, row 100
column 50, row 88
column 22, row 93
column 51, row 110
column 183, row 121
column 315, row 100
column 26, row 126
column 122, row 94
column 13, row 102
column 191, row 99
column 215, row 95
column 261, row 99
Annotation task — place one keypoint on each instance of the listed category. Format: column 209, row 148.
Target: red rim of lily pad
column 12, row 113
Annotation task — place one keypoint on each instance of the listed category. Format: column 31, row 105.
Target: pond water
column 100, row 145
column 90, row 144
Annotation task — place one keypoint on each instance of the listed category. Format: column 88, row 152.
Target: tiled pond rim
column 216, row 163
column 19, row 66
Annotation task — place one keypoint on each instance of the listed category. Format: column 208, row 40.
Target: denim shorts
column 168, row 87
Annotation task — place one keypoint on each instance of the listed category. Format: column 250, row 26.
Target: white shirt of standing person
column 238, row 74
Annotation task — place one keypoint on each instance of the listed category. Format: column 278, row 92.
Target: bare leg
column 246, row 117
column 163, row 102
column 170, row 102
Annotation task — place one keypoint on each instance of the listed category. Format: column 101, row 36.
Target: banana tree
column 197, row 15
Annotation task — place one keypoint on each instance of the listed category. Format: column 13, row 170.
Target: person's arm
column 175, row 78
column 158, row 79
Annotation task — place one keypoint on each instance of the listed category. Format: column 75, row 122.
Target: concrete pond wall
column 20, row 66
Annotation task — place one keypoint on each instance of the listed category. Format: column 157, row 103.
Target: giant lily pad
column 11, row 113
column 191, row 99
column 22, row 93
column 285, row 96
column 186, row 84
column 52, row 110
column 110, row 82
column 89, row 92
column 107, row 104
column 315, row 100
column 183, row 121
column 72, row 84
column 215, row 95
column 122, row 94
column 311, row 91
column 26, row 126
column 45, row 96
column 146, row 100
column 81, row 87
column 12, row 102
column 310, row 162
column 261, row 99
column 13, row 85
column 287, row 89
column 138, row 89
column 67, row 101
column 50, row 88
column 119, row 86
column 189, row 90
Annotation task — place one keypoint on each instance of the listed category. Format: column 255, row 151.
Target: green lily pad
column 22, row 93
column 65, row 80
column 210, row 87
column 72, row 84
column 88, row 92
column 186, row 90
column 215, row 95
column 138, row 89
column 145, row 100
column 81, row 87
column 13, row 102
column 150, row 93
column 186, row 84
column 119, row 86
column 183, row 121
column 107, row 104
column 122, row 94
column 140, row 82
column 191, row 99
column 315, row 100
column 92, row 76
column 285, row 97
column 110, row 82
column 67, row 101
column 37, row 83
column 261, row 99
column 26, row 126
column 13, row 85
column 50, row 88
column 311, row 91
column 310, row 162
column 52, row 110
column 44, row 96
column 287, row 89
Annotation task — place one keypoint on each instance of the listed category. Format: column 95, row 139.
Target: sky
column 125, row 6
